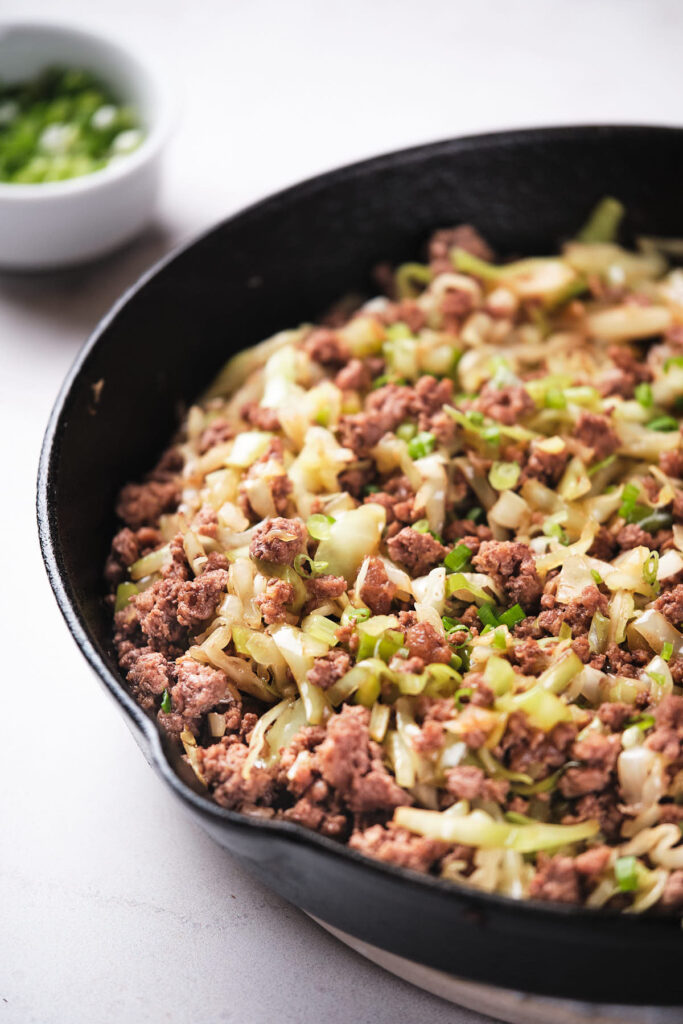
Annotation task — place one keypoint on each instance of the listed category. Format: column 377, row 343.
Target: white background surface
column 112, row 906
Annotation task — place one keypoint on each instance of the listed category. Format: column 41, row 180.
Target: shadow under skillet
column 78, row 296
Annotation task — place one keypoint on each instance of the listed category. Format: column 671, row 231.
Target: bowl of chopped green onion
column 82, row 127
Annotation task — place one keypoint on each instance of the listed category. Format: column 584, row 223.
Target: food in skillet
column 413, row 579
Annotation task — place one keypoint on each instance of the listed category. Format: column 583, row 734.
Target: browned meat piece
column 547, row 467
column 355, row 376
column 279, row 540
column 222, row 766
column 511, row 566
column 398, row 846
column 126, row 548
column 217, row 432
column 423, row 641
column 672, row 463
column 595, row 432
column 157, row 612
column 328, row 669
column 577, row 614
column 599, row 756
column 260, row 417
column 672, row 897
column 324, row 346
column 361, row 431
column 524, row 748
column 198, row 689
column 632, row 536
column 142, row 504
column 668, row 735
column 556, row 879
column 350, row 762
column 377, row 592
column 197, row 599
column 429, row 397
column 272, row 601
column 529, row 657
column 670, row 605
column 462, row 237
column 418, row 552
column 467, row 782
column 507, row 405
column 593, row 862
column 600, row 806
column 393, row 403
column 149, row 676
column 604, row 545
column 322, row 589
column 615, row 714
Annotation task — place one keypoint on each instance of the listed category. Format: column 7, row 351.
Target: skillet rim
column 535, row 913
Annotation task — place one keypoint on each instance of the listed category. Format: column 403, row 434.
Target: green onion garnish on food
column 667, row 650
column 166, row 705
column 663, row 424
column 458, row 558
column 643, row 393
column 319, row 525
column 487, row 615
column 422, row 444
column 504, row 475
column 650, row 567
column 626, row 873
column 603, row 223
column 512, row 616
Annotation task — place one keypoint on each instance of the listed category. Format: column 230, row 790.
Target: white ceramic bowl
column 55, row 224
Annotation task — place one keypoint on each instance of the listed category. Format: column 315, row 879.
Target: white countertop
column 113, row 906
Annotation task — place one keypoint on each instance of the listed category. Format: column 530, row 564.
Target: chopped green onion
column 603, row 223
column 352, row 616
column 321, row 628
column 626, row 873
column 554, row 399
column 552, row 528
column 464, row 691
column 411, row 279
column 487, row 615
column 307, row 567
column 673, row 361
column 395, row 332
column 667, row 650
column 475, row 514
column 421, row 526
column 371, row 489
column 458, row 558
column 650, row 567
column 504, row 475
column 663, row 424
column 124, row 592
column 499, row 675
column 644, row 395
column 490, row 433
column 475, row 417
column 499, row 639
column 629, row 497
column 422, row 444
column 658, row 677
column 406, row 431
column 598, row 633
column 643, row 722
column 319, row 525
column 603, row 464
column 166, row 705
column 512, row 616
column 597, row 577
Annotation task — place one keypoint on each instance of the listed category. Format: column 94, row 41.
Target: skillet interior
column 274, row 265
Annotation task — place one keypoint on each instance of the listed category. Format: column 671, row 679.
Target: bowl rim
column 610, row 923
column 158, row 129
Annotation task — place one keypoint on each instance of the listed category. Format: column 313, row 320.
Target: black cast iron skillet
column 273, row 265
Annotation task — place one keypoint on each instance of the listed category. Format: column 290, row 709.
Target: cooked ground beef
column 491, row 688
